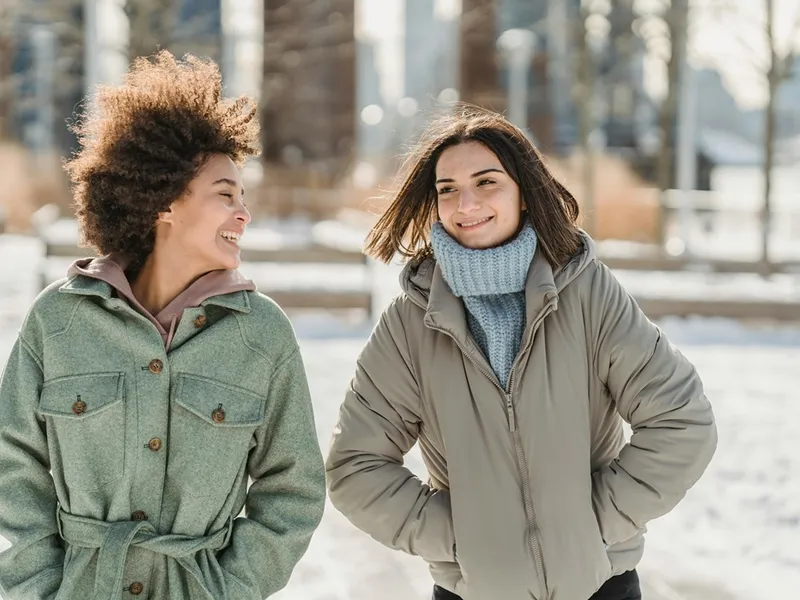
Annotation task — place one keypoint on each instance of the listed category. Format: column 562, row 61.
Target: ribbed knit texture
column 491, row 283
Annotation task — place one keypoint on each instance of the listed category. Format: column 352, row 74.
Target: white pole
column 44, row 50
column 686, row 167
column 559, row 21
column 91, row 59
column 229, row 32
column 517, row 47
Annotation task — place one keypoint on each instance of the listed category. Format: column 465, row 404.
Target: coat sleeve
column 286, row 500
column 378, row 424
column 659, row 393
column 32, row 567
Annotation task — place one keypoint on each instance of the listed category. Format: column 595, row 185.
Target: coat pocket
column 85, row 419
column 212, row 426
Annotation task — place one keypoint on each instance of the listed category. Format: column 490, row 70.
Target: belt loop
column 228, row 533
column 58, row 521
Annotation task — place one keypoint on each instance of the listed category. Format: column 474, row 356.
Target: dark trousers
column 621, row 587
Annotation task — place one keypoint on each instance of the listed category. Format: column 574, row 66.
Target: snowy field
column 736, row 536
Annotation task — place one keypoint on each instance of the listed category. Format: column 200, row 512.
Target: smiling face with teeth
column 478, row 203
column 202, row 229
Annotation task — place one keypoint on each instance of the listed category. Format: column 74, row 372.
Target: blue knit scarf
column 491, row 283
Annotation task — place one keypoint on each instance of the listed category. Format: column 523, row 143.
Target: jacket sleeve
column 659, row 393
column 286, row 500
column 378, row 424
column 33, row 566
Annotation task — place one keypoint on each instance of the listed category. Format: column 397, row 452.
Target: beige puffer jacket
column 527, row 485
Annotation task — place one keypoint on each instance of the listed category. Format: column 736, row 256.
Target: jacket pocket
column 85, row 419
column 211, row 432
column 603, row 547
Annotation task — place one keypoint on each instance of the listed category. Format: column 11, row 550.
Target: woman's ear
column 165, row 216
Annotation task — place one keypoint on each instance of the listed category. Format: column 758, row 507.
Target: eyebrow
column 476, row 174
column 227, row 181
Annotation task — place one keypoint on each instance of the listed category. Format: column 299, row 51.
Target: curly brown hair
column 144, row 141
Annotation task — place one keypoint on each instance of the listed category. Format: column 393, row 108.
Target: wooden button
column 136, row 588
column 139, row 515
column 155, row 366
column 154, row 444
column 218, row 415
column 79, row 407
column 199, row 321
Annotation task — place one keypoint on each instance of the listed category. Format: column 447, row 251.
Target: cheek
column 508, row 204
column 444, row 210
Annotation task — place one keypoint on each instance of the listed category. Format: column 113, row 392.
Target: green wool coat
column 124, row 468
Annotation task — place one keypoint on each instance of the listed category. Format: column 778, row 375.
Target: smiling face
column 479, row 204
column 204, row 226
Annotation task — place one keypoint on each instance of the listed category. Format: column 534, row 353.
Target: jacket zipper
column 536, row 544
column 535, row 541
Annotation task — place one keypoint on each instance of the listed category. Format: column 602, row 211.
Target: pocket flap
column 80, row 396
column 202, row 396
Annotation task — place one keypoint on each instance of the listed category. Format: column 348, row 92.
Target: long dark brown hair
column 405, row 226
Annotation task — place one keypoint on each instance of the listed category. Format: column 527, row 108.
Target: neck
column 160, row 280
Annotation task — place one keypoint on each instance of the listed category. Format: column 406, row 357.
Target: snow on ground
column 734, row 537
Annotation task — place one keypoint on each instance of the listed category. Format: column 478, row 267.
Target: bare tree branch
column 788, row 63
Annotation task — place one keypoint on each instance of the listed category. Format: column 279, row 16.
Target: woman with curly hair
column 513, row 356
column 150, row 386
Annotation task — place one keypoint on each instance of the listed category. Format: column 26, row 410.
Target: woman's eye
column 445, row 190
column 228, row 196
column 485, row 181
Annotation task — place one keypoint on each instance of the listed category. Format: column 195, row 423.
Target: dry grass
column 624, row 209
column 29, row 184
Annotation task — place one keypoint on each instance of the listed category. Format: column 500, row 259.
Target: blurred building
column 621, row 75
column 308, row 100
column 717, row 109
column 46, row 82
column 531, row 15
column 552, row 118
column 479, row 71
column 430, row 53
column 198, row 29
column 788, row 104
column 371, row 123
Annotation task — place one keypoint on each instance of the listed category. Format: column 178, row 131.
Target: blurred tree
column 778, row 68
column 152, row 26
column 9, row 14
column 618, row 72
column 769, row 46
column 478, row 68
column 583, row 92
column 179, row 26
column 18, row 107
column 308, row 114
column 662, row 24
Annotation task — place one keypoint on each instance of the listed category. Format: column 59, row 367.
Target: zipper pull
column 512, row 421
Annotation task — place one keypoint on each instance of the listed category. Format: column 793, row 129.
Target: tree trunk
column 152, row 25
column 769, row 160
column 6, row 86
column 584, row 90
column 676, row 19
column 773, row 82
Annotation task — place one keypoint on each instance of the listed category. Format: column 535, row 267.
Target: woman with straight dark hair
column 512, row 356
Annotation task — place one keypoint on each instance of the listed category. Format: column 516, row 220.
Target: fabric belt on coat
column 114, row 539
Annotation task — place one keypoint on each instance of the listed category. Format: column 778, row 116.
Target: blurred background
column 675, row 123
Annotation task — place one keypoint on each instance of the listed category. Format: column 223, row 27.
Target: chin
column 224, row 263
column 482, row 242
